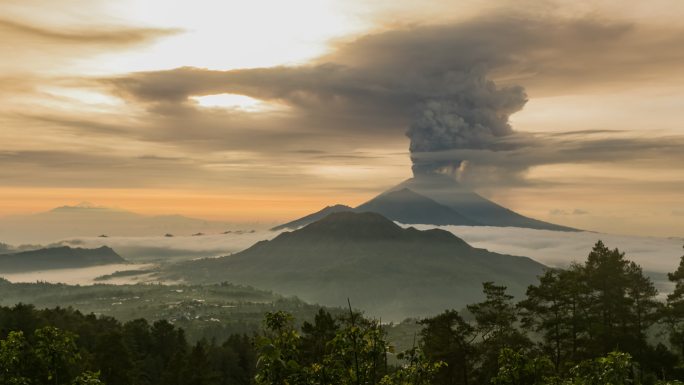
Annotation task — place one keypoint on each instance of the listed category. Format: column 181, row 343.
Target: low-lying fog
column 559, row 249
column 80, row 276
column 659, row 255
column 177, row 248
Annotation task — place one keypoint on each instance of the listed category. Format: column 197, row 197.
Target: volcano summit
column 435, row 199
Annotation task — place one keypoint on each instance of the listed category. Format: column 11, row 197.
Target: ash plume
column 449, row 88
column 471, row 115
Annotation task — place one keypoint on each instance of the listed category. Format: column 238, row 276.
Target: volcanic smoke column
column 468, row 112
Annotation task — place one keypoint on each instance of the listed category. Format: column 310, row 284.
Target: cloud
column 342, row 119
column 112, row 35
column 397, row 68
column 516, row 154
column 450, row 88
column 42, row 39
column 556, row 248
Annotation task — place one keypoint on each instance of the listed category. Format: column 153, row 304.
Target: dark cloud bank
column 450, row 88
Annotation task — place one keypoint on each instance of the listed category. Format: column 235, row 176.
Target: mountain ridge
column 320, row 214
column 62, row 257
column 85, row 220
column 388, row 270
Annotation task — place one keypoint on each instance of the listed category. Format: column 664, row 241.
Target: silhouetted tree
column 448, row 338
column 497, row 328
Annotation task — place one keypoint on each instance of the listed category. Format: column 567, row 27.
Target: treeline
column 595, row 323
column 573, row 321
column 62, row 346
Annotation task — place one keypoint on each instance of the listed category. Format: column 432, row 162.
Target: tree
column 57, row 351
column 448, row 338
column 114, row 358
column 169, row 349
column 356, row 355
column 13, row 359
column 675, row 308
column 622, row 304
column 609, row 306
column 417, row 369
column 555, row 308
column 198, row 369
column 519, row 368
column 138, row 340
column 317, row 336
column 278, row 351
column 236, row 360
column 645, row 310
column 616, row 368
column 496, row 327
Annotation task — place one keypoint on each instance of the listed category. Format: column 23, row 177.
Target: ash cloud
column 471, row 116
column 449, row 88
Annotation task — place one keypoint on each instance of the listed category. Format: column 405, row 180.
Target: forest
column 598, row 322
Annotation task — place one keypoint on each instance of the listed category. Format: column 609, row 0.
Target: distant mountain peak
column 354, row 226
column 312, row 217
column 351, row 225
column 60, row 257
column 83, row 206
column 352, row 218
column 88, row 205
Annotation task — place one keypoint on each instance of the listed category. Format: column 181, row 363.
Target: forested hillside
column 389, row 271
column 595, row 323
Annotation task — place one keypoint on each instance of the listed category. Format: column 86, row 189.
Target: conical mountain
column 382, row 268
column 400, row 205
column 407, row 206
column 445, row 190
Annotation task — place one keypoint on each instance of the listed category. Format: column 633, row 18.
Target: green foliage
column 278, row 351
column 353, row 352
column 88, row 378
column 496, row 320
column 592, row 309
column 447, row 338
column 417, row 369
column 573, row 316
column 315, row 336
column 614, row 369
column 592, row 324
column 203, row 312
column 12, row 359
column 106, row 351
column 519, row 368
column 556, row 309
column 675, row 308
column 56, row 350
column 51, row 357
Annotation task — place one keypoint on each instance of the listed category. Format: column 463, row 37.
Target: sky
column 565, row 111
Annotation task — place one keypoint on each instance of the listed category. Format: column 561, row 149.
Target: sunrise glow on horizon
column 269, row 110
